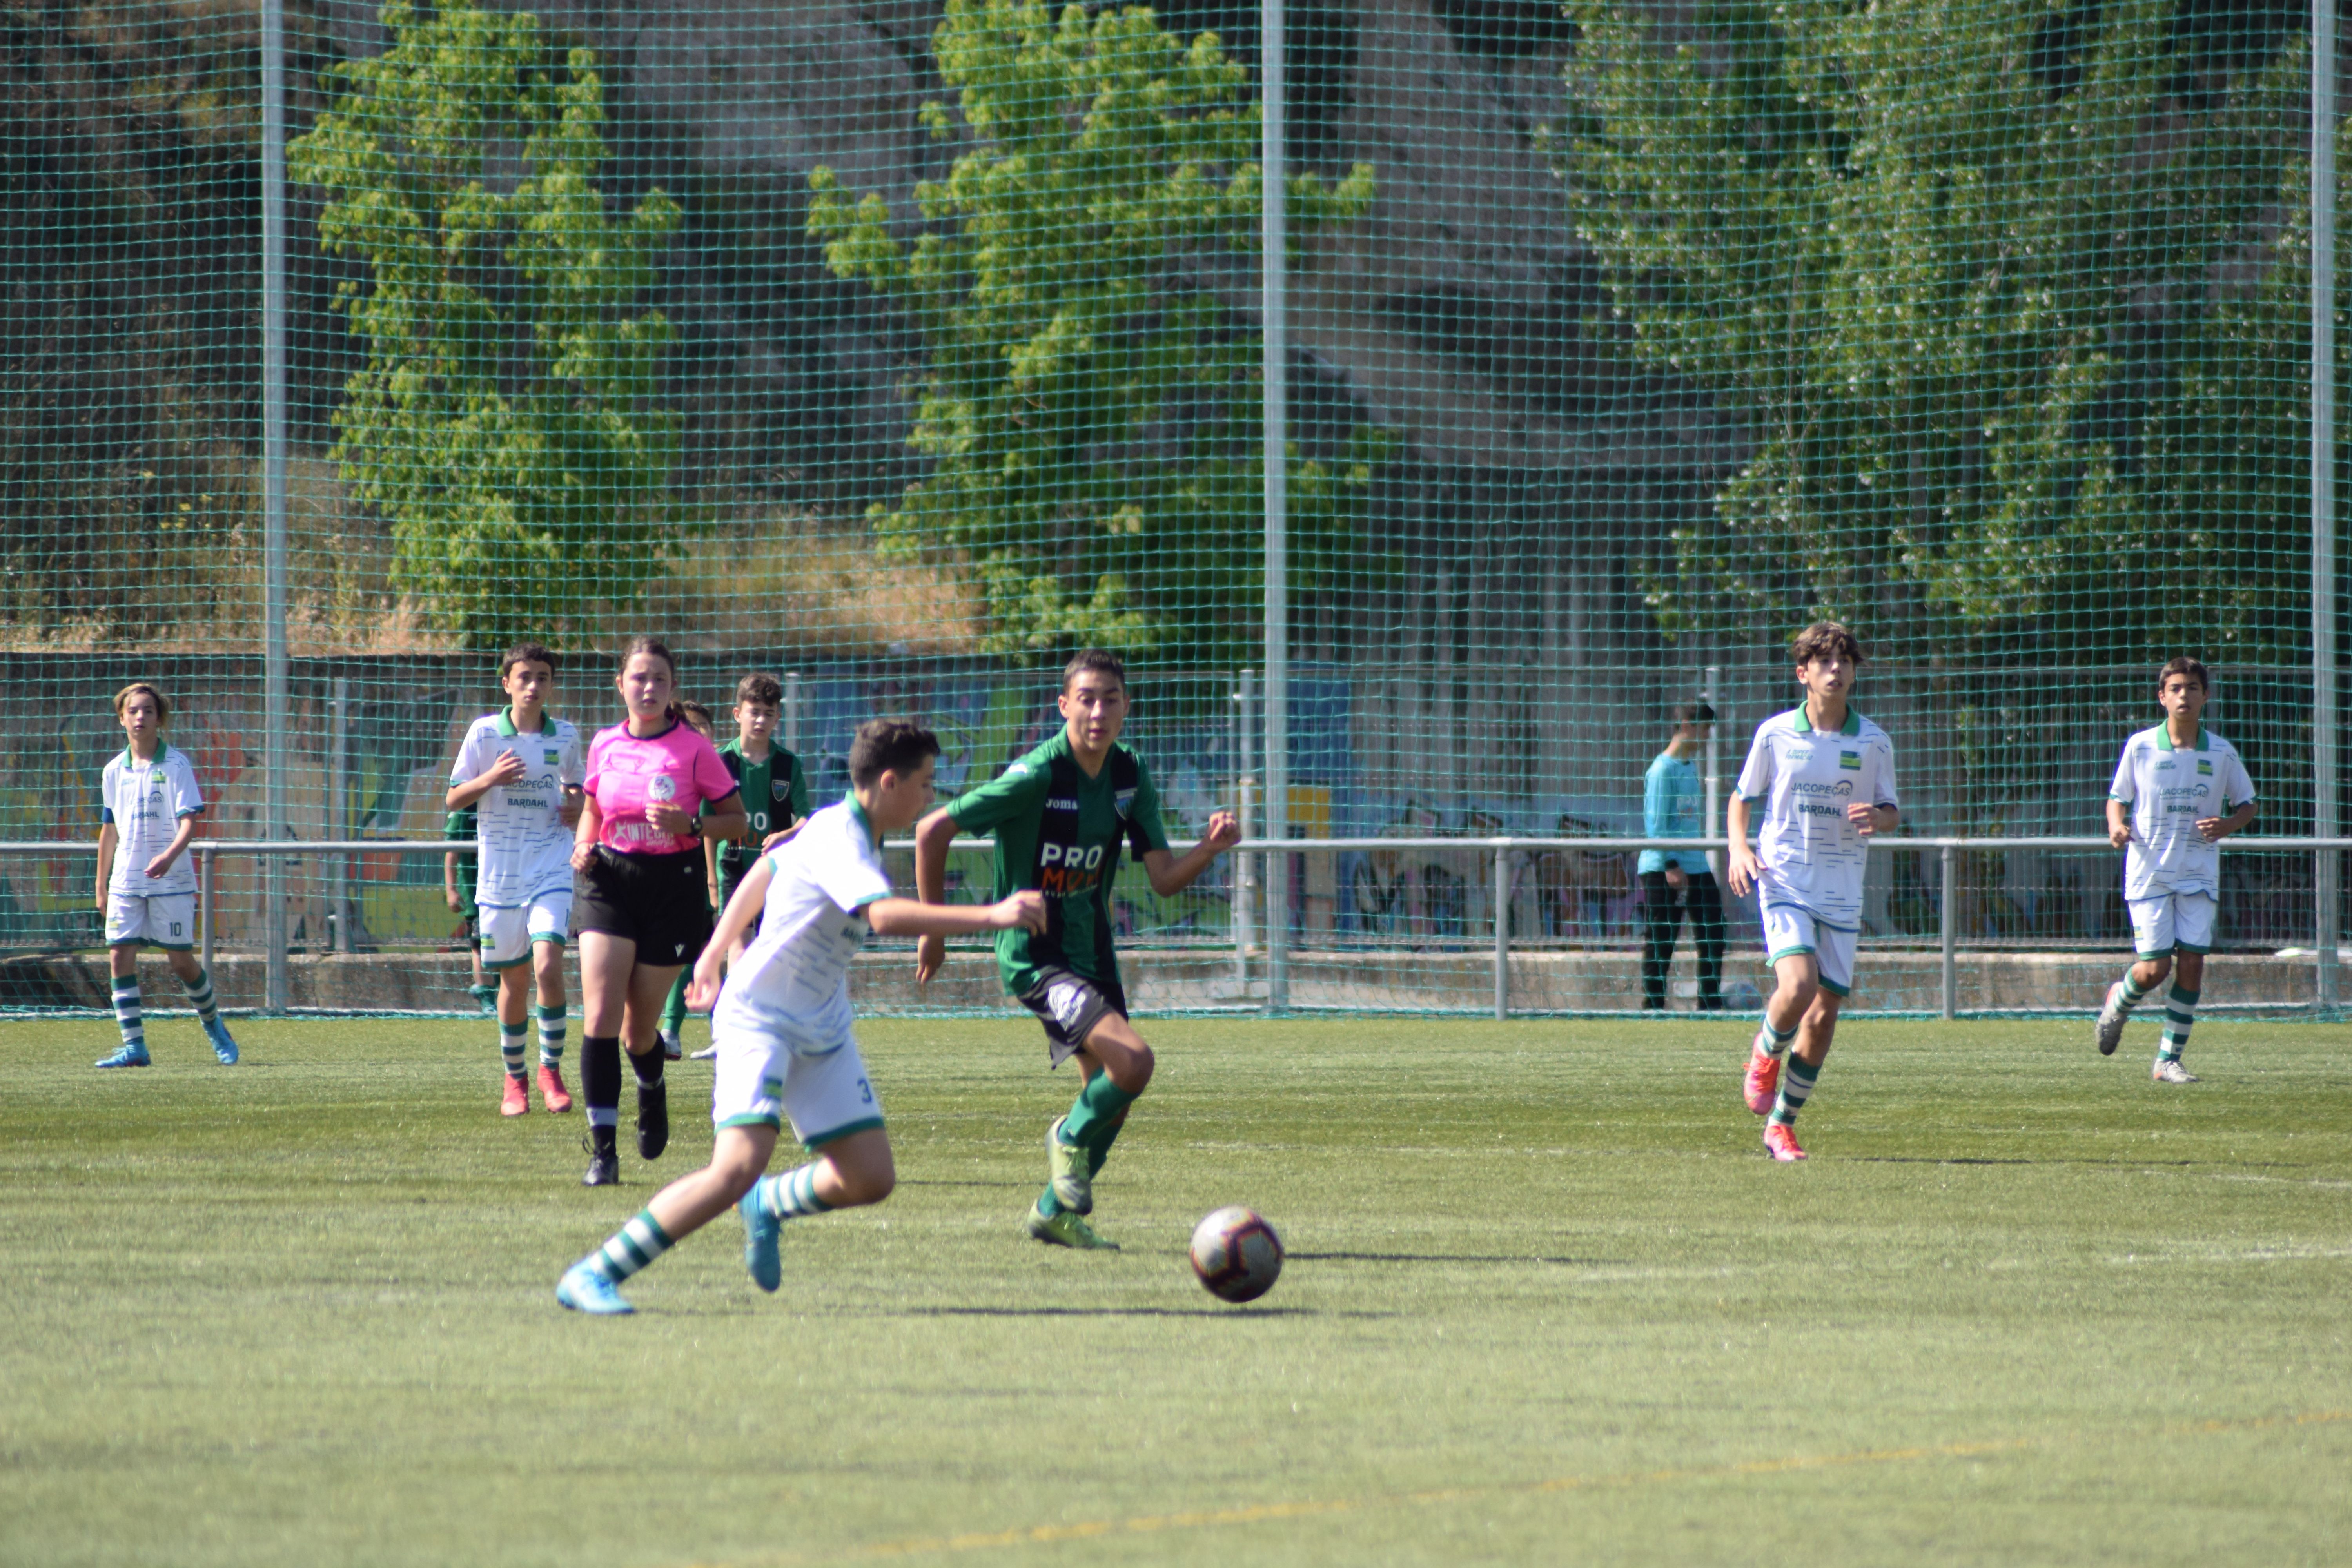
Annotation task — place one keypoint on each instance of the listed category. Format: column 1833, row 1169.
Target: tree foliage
column 1994, row 288
column 1089, row 414
column 505, row 420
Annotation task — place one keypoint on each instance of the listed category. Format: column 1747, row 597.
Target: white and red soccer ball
column 1236, row 1255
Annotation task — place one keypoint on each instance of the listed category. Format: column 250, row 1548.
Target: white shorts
column 760, row 1080
column 1790, row 930
column 159, row 920
column 2169, row 921
column 507, row 934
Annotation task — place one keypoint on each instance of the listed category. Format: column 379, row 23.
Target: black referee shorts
column 661, row 902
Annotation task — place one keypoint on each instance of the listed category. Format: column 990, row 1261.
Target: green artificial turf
column 1546, row 1302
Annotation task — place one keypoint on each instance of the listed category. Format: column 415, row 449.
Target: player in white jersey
column 519, row 771
column 2179, row 790
column 145, row 885
column 1825, row 778
column 782, row 1023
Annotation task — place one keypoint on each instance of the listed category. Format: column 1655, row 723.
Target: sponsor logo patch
column 1067, row 1000
column 661, row 786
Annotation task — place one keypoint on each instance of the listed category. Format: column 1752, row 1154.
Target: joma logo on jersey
column 1054, row 804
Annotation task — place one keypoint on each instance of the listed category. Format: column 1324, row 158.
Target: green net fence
column 900, row 348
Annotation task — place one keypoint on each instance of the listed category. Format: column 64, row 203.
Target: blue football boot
column 759, row 1231
column 127, row 1057
column 584, row 1289
column 223, row 1046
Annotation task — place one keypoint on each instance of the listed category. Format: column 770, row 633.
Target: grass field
column 1546, row 1302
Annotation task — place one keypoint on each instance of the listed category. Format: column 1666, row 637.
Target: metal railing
column 1253, row 854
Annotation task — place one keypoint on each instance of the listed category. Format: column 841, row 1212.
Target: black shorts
column 661, row 902
column 1069, row 1005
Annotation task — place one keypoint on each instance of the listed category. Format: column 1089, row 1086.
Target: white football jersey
column 526, row 849
column 794, row 979
column 2167, row 790
column 1811, row 854
column 145, row 801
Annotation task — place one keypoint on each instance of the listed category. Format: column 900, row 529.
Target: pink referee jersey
column 627, row 773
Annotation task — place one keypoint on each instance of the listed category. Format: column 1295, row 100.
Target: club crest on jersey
column 2204, row 768
column 661, row 786
column 777, row 789
column 1850, row 761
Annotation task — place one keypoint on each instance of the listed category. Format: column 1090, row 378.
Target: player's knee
column 1133, row 1071
column 867, row 1178
column 1802, row 993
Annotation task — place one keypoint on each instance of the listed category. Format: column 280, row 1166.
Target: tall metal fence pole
column 276, row 708
column 2324, row 818
column 1274, row 244
column 1714, row 766
column 1502, row 930
column 1950, row 933
column 1242, row 769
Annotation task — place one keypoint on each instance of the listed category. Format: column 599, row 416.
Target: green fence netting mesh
column 899, row 348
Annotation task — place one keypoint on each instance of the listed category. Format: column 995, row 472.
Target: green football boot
column 1066, row 1229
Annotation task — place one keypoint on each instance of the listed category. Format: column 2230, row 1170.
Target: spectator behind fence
column 1679, row 882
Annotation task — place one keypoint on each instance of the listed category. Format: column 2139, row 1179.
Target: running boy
column 1825, row 777
column 786, row 1049
column 775, row 795
column 520, row 770
column 1060, row 815
column 2179, row 790
column 150, row 803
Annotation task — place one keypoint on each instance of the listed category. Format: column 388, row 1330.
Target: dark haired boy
column 1060, row 816
column 1676, row 882
column 786, row 1048
column 1825, row 777
column 519, row 771
column 2178, row 790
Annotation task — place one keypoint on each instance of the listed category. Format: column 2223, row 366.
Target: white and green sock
column 551, row 1036
column 511, row 1047
column 2130, row 996
column 200, row 997
column 1777, row 1040
column 631, row 1247
column 2180, row 1014
column 128, row 1013
column 791, row 1194
column 1796, row 1088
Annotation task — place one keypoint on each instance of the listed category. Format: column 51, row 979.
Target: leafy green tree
column 1089, row 413
column 505, row 420
column 1975, row 279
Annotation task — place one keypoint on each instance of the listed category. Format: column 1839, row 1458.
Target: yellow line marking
column 1146, row 1524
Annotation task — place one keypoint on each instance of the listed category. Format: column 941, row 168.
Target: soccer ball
column 1236, row 1255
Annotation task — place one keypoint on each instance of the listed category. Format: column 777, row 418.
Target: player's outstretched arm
column 1170, row 873
column 1740, row 862
column 749, row 898
column 911, row 917
column 932, row 836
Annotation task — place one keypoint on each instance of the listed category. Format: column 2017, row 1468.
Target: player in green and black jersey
column 776, row 789
column 1061, row 816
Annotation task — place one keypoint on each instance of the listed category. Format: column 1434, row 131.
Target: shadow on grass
column 2064, row 1160
column 1445, row 1258
column 1129, row 1313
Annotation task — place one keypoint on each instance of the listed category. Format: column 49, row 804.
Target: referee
column 655, row 789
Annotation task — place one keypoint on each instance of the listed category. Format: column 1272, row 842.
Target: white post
column 205, row 861
column 1502, row 930
column 1950, row 935
column 337, row 819
column 1243, row 783
column 1274, row 243
column 2325, row 822
column 276, row 707
column 1713, row 767
column 791, row 718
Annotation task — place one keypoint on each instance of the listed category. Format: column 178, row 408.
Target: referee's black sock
column 600, row 1079
column 648, row 1066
